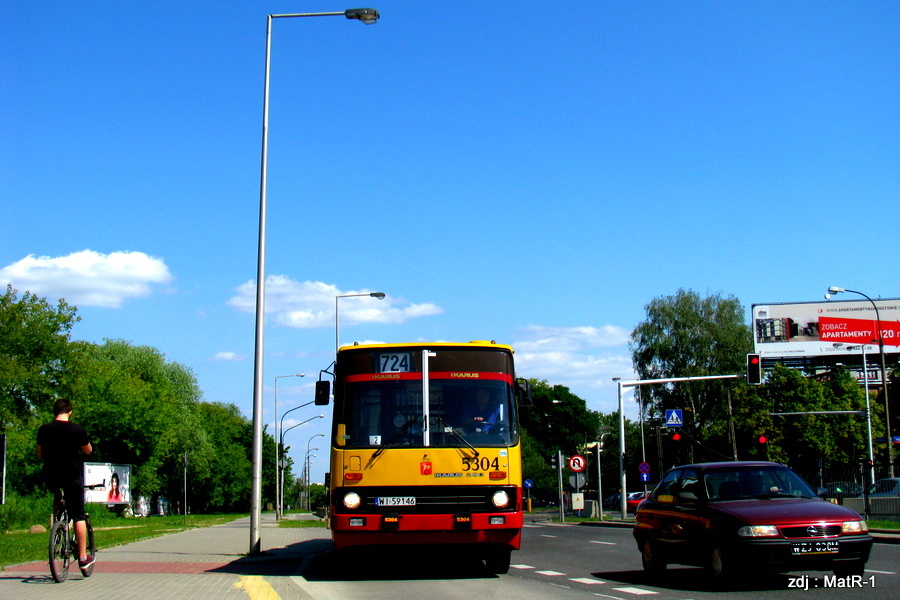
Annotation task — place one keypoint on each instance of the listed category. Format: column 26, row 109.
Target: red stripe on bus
column 461, row 375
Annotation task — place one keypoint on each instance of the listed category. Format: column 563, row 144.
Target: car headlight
column 854, row 527
column 352, row 500
column 758, row 531
column 500, row 499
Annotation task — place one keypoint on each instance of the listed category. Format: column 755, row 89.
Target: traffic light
column 754, row 369
column 762, row 444
column 554, row 460
column 676, row 437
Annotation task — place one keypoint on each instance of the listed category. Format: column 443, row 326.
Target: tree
column 688, row 336
column 557, row 421
column 138, row 408
column 33, row 353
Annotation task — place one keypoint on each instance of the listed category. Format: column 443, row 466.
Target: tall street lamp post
column 367, row 16
column 278, row 490
column 337, row 327
column 281, row 492
column 868, row 413
column 884, row 381
column 308, row 442
column 277, row 470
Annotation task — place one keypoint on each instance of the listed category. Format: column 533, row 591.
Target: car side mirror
column 323, row 392
column 821, row 492
column 687, row 497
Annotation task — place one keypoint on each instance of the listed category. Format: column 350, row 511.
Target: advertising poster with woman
column 116, row 480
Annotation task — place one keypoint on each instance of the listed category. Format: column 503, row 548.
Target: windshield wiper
column 409, row 421
column 448, row 428
column 770, row 495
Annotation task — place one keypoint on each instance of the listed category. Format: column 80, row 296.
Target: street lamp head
column 835, row 290
column 379, row 295
column 367, row 15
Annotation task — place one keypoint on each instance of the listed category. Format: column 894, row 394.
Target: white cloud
column 228, row 356
column 584, row 359
column 310, row 304
column 88, row 278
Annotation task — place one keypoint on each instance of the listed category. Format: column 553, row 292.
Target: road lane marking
column 550, row 573
column 547, row 535
column 256, row 587
column 635, row 591
column 586, row 580
column 605, row 543
column 521, row 566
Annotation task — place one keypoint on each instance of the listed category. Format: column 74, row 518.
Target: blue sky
column 530, row 173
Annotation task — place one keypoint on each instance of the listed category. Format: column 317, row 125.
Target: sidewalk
column 207, row 564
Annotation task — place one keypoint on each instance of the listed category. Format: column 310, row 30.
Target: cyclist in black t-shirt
column 62, row 445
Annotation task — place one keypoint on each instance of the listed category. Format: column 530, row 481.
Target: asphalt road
column 566, row 562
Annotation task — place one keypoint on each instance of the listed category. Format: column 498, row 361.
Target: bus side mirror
column 323, row 391
column 523, row 391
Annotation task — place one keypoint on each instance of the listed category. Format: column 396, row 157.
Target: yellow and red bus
column 425, row 447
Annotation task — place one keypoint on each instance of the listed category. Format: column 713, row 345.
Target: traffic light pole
column 562, row 506
column 638, row 382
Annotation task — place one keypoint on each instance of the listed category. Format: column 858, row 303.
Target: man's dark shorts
column 74, row 495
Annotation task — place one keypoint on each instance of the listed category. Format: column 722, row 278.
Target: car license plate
column 395, row 501
column 815, row 547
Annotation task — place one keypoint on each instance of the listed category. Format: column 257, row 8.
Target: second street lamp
column 281, row 492
column 337, row 329
column 277, row 487
column 367, row 16
column 884, row 381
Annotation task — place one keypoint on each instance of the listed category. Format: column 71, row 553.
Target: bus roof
column 486, row 344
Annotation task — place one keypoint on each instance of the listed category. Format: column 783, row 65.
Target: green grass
column 20, row 546
column 304, row 523
column 883, row 524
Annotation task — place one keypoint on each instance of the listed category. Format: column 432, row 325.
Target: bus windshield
column 460, row 413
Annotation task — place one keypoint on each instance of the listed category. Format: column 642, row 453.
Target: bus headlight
column 500, row 499
column 352, row 500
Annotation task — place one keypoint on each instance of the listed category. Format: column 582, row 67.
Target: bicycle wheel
column 91, row 549
column 60, row 554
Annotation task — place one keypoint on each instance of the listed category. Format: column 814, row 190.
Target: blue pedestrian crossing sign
column 673, row 417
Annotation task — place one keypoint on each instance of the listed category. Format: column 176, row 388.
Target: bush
column 21, row 512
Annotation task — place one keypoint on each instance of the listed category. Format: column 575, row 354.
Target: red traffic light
column 676, row 436
column 754, row 369
column 762, row 439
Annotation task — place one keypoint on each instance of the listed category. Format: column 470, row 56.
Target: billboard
column 116, row 480
column 802, row 329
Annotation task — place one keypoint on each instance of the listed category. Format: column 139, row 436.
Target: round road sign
column 577, row 463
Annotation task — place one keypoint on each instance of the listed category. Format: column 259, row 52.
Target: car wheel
column 651, row 558
column 848, row 569
column 719, row 566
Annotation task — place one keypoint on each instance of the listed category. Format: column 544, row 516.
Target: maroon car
column 747, row 516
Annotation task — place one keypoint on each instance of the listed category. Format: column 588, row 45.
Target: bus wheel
column 497, row 560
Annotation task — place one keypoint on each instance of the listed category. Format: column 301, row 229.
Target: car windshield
column 743, row 483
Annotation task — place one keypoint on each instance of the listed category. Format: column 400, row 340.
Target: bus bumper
column 394, row 528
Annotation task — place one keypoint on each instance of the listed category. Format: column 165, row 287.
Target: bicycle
column 63, row 548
